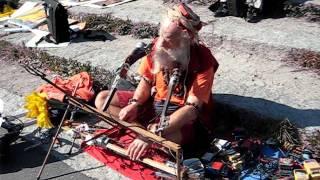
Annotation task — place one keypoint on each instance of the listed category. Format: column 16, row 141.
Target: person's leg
column 175, row 137
column 184, row 136
column 119, row 100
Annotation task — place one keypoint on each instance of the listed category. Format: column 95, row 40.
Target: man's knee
column 176, row 137
column 100, row 99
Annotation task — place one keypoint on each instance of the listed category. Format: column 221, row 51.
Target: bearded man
column 177, row 46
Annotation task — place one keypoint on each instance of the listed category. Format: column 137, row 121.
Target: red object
column 84, row 90
column 190, row 15
column 130, row 169
column 217, row 166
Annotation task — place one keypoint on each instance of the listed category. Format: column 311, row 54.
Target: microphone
column 121, row 72
column 137, row 53
column 134, row 56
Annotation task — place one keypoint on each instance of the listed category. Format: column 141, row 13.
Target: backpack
column 57, row 20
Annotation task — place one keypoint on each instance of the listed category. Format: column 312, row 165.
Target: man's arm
column 129, row 113
column 185, row 115
column 141, row 95
column 143, row 91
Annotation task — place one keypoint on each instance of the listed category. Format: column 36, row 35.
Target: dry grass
column 310, row 11
column 108, row 23
column 62, row 66
column 305, row 58
column 197, row 2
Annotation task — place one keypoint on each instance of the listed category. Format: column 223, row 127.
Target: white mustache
column 169, row 57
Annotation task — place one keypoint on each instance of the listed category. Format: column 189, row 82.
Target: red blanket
column 133, row 170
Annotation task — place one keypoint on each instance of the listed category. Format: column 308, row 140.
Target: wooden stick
column 137, row 129
column 147, row 161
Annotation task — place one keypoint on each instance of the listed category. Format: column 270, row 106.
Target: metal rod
column 164, row 110
column 174, row 79
column 107, row 102
column 178, row 154
column 121, row 73
column 72, row 144
column 56, row 135
column 52, row 143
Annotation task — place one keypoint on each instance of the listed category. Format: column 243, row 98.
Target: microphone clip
column 175, row 77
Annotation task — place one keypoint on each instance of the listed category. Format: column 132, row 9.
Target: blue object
column 306, row 154
column 269, row 152
column 250, row 174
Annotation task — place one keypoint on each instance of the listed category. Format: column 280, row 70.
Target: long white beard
column 170, row 58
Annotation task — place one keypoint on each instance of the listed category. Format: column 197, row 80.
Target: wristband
column 193, row 105
column 133, row 101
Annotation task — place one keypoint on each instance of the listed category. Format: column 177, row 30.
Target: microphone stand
column 174, row 80
column 57, row 133
column 139, row 52
column 120, row 74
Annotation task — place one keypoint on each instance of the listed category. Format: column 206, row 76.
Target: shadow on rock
column 242, row 107
column 20, row 159
column 93, row 35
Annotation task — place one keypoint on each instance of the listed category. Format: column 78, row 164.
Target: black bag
column 57, row 20
column 9, row 132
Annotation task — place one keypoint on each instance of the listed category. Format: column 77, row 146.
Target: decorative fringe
column 37, row 107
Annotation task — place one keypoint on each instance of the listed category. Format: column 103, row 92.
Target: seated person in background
column 177, row 46
column 236, row 8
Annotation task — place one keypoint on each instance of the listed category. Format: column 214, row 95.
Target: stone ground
column 252, row 74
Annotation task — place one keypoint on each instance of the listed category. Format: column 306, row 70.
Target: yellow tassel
column 37, row 107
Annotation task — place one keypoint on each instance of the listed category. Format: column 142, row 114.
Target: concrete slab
column 269, row 88
column 284, row 32
column 287, row 32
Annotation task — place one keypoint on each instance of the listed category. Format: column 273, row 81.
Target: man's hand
column 129, row 113
column 136, row 148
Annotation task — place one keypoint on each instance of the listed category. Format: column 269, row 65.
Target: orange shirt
column 201, row 70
